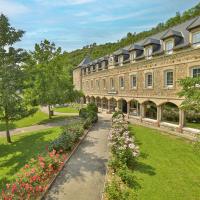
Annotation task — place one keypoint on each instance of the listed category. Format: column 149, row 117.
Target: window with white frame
column 121, row 82
column 148, row 52
column 169, row 45
column 92, row 84
column 133, row 81
column 196, row 72
column 196, row 38
column 149, row 80
column 97, row 84
column 104, row 83
column 112, row 85
column 169, row 78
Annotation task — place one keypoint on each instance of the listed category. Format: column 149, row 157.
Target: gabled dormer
column 151, row 46
column 194, row 29
column 112, row 60
column 104, row 62
column 171, row 39
column 135, row 51
column 122, row 56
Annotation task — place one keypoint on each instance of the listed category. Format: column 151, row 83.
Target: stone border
column 65, row 162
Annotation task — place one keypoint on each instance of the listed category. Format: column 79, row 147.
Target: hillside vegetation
column 72, row 59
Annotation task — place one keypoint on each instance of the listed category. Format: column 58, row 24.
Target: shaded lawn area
column 66, row 109
column 24, row 147
column 193, row 125
column 167, row 168
column 38, row 118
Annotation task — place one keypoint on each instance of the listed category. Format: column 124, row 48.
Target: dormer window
column 148, row 52
column 196, row 38
column 169, row 45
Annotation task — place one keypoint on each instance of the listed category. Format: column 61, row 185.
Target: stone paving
column 83, row 176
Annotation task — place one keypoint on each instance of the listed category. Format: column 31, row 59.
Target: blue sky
column 72, row 24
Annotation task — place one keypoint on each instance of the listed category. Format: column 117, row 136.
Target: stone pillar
column 128, row 108
column 141, row 112
column 109, row 110
column 159, row 115
column 117, row 106
column 181, row 120
column 102, row 104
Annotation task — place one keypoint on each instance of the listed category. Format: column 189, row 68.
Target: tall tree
column 13, row 106
column 50, row 79
column 191, row 92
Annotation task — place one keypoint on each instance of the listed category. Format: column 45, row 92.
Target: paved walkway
column 38, row 127
column 83, row 176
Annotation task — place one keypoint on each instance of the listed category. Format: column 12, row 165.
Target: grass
column 167, row 168
column 66, row 110
column 24, row 147
column 193, row 125
column 38, row 118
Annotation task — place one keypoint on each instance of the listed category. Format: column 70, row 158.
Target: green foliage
column 69, row 136
column 117, row 113
column 92, row 107
column 13, row 105
column 191, row 92
column 83, row 113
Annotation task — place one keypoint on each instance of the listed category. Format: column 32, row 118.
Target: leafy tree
column 191, row 92
column 50, row 80
column 13, row 106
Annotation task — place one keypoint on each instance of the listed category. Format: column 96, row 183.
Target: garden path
column 83, row 176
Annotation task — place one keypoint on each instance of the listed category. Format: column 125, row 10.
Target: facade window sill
column 149, row 88
column 134, row 88
column 168, row 87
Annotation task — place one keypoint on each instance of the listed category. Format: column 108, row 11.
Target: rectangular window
column 104, row 83
column 121, row 82
column 112, row 86
column 92, row 84
column 97, row 84
column 169, row 46
column 196, row 72
column 133, row 81
column 149, row 52
column 87, row 85
column 169, row 78
column 149, row 80
column 196, row 38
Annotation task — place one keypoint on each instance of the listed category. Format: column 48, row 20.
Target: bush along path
column 37, row 175
column 120, row 179
column 84, row 175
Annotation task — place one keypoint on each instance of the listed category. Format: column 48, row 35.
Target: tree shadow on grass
column 17, row 154
column 3, row 126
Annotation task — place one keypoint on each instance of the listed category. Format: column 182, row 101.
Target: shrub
column 116, row 114
column 92, row 107
column 87, row 123
column 83, row 113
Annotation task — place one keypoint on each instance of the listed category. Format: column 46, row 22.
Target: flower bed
column 124, row 152
column 35, row 177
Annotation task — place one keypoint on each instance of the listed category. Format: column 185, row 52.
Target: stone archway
column 98, row 102
column 113, row 104
column 134, row 108
column 150, row 110
column 123, row 105
column 105, row 103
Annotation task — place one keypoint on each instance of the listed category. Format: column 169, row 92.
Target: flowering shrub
column 124, row 151
column 34, row 177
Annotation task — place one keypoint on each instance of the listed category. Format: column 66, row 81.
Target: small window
column 104, row 83
column 196, row 38
column 121, row 82
column 149, row 80
column 92, row 84
column 87, row 85
column 133, row 81
column 149, row 52
column 97, row 84
column 169, row 78
column 196, row 72
column 112, row 86
column 169, row 45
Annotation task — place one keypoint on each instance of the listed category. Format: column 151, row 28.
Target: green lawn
column 38, row 118
column 193, row 125
column 168, row 168
column 24, row 147
column 66, row 109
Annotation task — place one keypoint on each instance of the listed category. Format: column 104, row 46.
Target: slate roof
column 182, row 29
column 85, row 61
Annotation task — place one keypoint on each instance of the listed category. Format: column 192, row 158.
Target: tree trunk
column 49, row 108
column 8, row 132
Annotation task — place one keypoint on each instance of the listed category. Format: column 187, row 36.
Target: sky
column 72, row 24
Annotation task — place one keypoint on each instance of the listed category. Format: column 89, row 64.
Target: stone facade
column 110, row 83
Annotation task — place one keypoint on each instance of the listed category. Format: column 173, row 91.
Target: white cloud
column 81, row 14
column 12, row 8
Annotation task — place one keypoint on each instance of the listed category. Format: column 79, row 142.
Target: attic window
column 196, row 37
column 169, row 45
column 148, row 52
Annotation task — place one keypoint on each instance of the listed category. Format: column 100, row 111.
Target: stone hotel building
column 141, row 79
